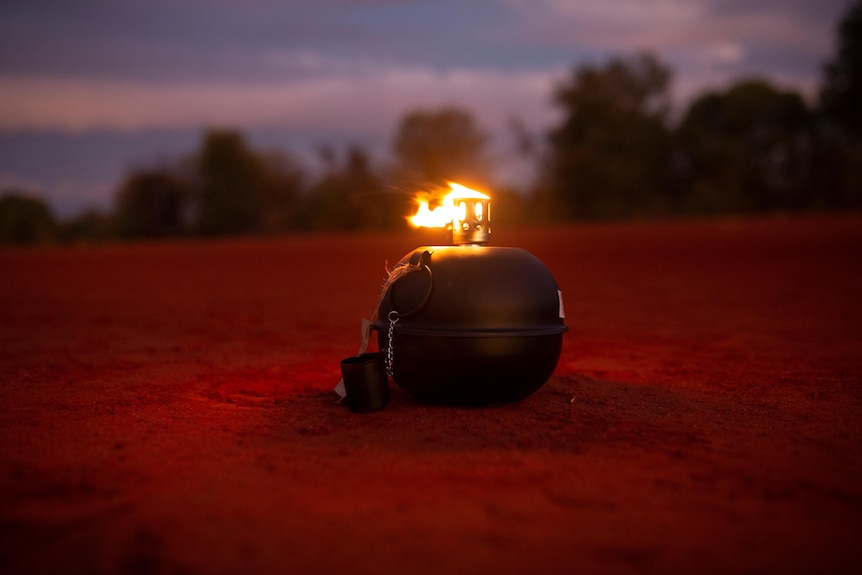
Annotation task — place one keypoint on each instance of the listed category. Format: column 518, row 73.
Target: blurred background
column 123, row 120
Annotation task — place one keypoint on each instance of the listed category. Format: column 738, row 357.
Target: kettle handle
column 418, row 263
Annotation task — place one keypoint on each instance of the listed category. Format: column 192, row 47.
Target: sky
column 92, row 88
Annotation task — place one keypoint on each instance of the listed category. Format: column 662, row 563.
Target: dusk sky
column 90, row 88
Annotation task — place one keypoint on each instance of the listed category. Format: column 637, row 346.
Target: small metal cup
column 365, row 382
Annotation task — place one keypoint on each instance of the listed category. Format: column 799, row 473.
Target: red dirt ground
column 167, row 408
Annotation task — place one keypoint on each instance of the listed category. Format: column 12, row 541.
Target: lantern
column 469, row 323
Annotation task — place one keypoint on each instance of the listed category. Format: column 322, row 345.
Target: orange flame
column 447, row 210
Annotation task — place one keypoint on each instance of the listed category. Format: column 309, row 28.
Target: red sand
column 167, row 408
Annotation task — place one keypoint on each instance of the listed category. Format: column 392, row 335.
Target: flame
column 447, row 210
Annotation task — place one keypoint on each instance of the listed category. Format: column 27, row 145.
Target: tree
column 283, row 184
column 841, row 93
column 24, row 219
column 152, row 203
column 439, row 145
column 374, row 207
column 231, row 185
column 746, row 149
column 610, row 155
column 351, row 196
column 838, row 147
column 90, row 226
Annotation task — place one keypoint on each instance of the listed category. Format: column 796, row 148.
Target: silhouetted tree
column 374, row 206
column 509, row 207
column 746, row 149
column 838, row 145
column 90, row 226
column 281, row 192
column 610, row 155
column 24, row 219
column 525, row 142
column 231, row 185
column 152, row 203
column 841, row 92
column 352, row 196
column 434, row 146
column 328, row 204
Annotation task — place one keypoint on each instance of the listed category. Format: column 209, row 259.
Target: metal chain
column 390, row 353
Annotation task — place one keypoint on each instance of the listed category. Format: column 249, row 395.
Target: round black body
column 471, row 325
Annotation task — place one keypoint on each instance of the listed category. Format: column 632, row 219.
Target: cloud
column 706, row 42
column 354, row 67
column 616, row 25
column 674, row 24
column 724, row 52
column 365, row 100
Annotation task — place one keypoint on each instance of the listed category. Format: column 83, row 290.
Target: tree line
column 619, row 151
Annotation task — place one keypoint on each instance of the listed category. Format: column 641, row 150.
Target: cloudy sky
column 89, row 88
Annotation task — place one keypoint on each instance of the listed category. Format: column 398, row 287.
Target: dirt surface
column 168, row 408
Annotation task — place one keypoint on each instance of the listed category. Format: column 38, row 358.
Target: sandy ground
column 167, row 408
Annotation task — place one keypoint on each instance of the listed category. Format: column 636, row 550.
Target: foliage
column 434, row 146
column 610, row 155
column 745, row 149
column 282, row 185
column 838, row 146
column 225, row 188
column 841, row 93
column 352, row 197
column 24, row 219
column 229, row 188
column 152, row 203
column 230, row 184
column 91, row 226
